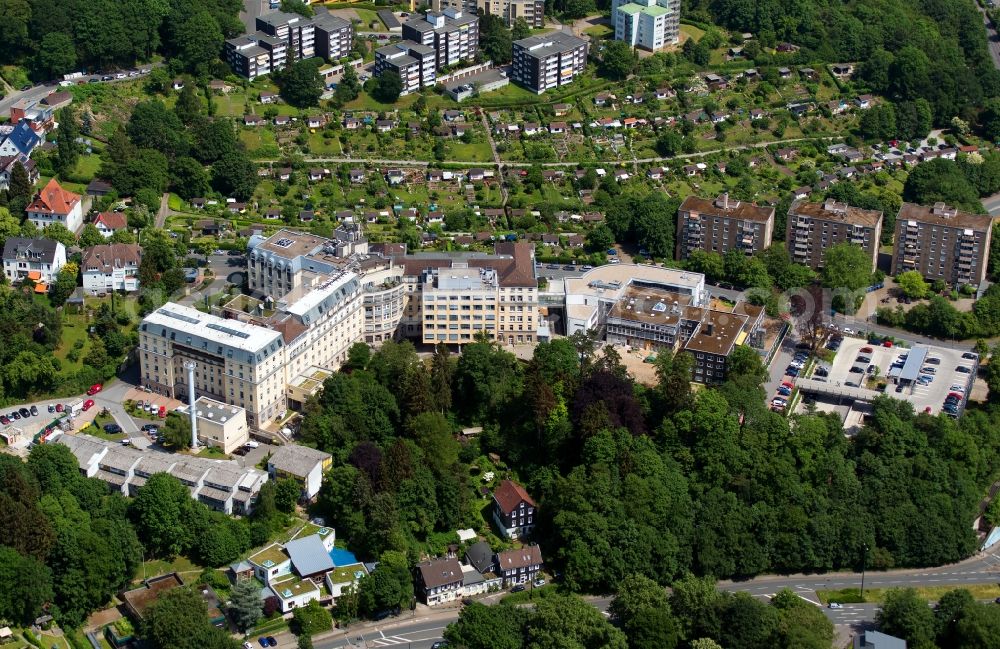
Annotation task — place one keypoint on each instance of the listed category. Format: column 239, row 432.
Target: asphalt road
column 39, row 92
column 992, row 38
column 252, row 9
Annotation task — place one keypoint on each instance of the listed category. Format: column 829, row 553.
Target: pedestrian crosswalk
column 388, row 641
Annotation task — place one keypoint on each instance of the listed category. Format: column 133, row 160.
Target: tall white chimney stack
column 189, row 366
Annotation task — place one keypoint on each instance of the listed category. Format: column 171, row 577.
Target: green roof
column 269, row 557
column 292, row 586
column 347, row 574
column 631, row 8
column 655, row 10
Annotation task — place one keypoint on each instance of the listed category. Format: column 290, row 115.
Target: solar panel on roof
column 283, row 243
column 182, row 317
column 227, row 330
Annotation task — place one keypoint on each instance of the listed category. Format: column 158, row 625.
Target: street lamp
column 864, row 563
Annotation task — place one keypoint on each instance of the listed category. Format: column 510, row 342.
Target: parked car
column 162, row 412
column 60, row 407
column 4, row 420
column 148, row 427
column 957, row 388
column 928, row 370
column 34, row 411
column 88, row 404
column 271, row 642
column 94, row 389
column 933, row 360
column 440, row 644
column 112, row 429
column 887, row 343
column 784, row 392
column 787, row 384
column 15, row 415
column 52, row 407
column 867, row 350
column 857, row 369
column 836, row 605
column 851, row 384
column 848, row 331
column 969, row 356
column 963, row 369
column 25, row 412
column 517, row 589
column 538, row 583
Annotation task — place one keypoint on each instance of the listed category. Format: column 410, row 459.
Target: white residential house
column 111, row 267
column 107, row 223
column 56, row 205
column 39, row 260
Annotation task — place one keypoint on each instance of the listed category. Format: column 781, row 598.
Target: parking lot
column 937, row 378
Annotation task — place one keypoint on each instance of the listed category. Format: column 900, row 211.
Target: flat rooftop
column 651, row 306
column 727, row 207
column 718, row 334
column 270, row 556
column 191, row 325
column 213, row 410
column 604, row 281
column 543, row 45
column 837, row 213
column 290, row 244
column 943, row 215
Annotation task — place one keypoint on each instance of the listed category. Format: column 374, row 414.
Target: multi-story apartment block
column 722, row 225
column 548, row 60
column 297, row 31
column 247, row 58
column 814, row 227
column 465, row 6
column 717, row 335
column 237, row 363
column 449, row 300
column 943, row 243
column 533, row 11
column 334, row 36
column 415, row 64
column 649, row 24
column 454, row 35
column 304, row 465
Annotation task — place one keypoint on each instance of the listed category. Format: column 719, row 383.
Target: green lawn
column 690, row 31
column 368, row 17
column 929, row 593
column 155, row 567
column 600, row 31
column 86, row 168
column 74, row 329
column 15, row 76
column 475, row 152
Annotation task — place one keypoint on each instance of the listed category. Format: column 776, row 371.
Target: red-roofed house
column 513, row 510
column 107, row 223
column 56, row 205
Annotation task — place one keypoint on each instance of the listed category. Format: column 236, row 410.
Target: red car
column 88, row 404
column 94, row 389
column 163, row 412
column 787, row 384
column 887, row 343
column 59, row 407
column 866, row 350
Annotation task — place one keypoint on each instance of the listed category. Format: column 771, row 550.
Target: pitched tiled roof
column 112, row 220
column 105, row 258
column 439, row 572
column 509, row 495
column 522, row 558
column 54, row 199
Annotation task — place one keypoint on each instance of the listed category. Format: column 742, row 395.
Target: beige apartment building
column 237, row 363
column 814, row 227
column 533, row 11
column 221, row 425
column 942, row 243
column 451, row 299
column 722, row 225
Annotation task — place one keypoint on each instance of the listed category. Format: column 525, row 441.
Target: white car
column 538, row 583
column 778, row 401
column 836, row 605
column 957, row 388
column 848, row 331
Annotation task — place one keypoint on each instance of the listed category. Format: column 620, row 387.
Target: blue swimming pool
column 342, row 557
